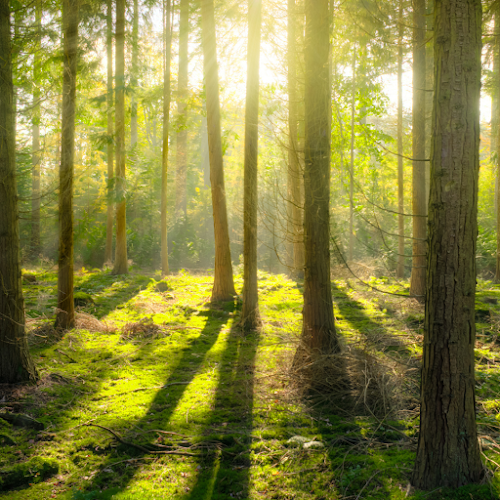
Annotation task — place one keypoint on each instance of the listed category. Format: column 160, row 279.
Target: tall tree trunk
column 108, row 254
column 121, row 264
column 495, row 90
column 166, row 122
column 351, row 168
column 250, row 318
column 417, row 282
column 448, row 453
column 35, row 153
column 400, row 271
column 318, row 331
column 223, row 280
column 65, row 317
column 182, row 94
column 133, row 76
column 16, row 364
column 495, row 123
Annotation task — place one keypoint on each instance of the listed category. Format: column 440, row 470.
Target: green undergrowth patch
column 157, row 394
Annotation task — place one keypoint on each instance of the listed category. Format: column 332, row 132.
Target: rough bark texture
column 65, row 317
column 495, row 126
column 448, row 452
column 223, row 280
column 250, row 318
column 133, row 76
column 318, row 331
column 108, row 254
column 35, row 148
column 121, row 264
column 166, row 122
column 15, row 362
column 417, row 282
column 351, row 167
column 400, row 270
column 495, row 89
column 182, row 94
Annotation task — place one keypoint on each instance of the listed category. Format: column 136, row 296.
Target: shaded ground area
column 168, row 399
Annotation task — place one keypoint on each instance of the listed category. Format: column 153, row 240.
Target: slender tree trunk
column 35, row 154
column 429, row 85
column 16, row 364
column 318, row 333
column 121, row 264
column 108, row 255
column 400, row 271
column 65, row 317
column 166, row 120
column 495, row 113
column 250, row 318
column 495, row 90
column 182, row 94
column 133, row 76
column 223, row 280
column 351, row 169
column 417, row 282
column 448, row 453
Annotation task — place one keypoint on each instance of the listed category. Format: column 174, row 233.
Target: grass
column 153, row 362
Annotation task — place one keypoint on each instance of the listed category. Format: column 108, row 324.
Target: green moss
column 34, row 470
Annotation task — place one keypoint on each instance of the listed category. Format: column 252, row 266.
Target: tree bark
column 318, row 331
column 223, row 288
column 182, row 94
column 417, row 282
column 495, row 90
column 400, row 270
column 133, row 76
column 495, row 123
column 448, row 454
column 16, row 364
column 351, row 168
column 35, row 154
column 65, row 316
column 250, row 317
column 121, row 264
column 166, row 122
column 108, row 254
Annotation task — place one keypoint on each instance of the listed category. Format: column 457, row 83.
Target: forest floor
column 158, row 394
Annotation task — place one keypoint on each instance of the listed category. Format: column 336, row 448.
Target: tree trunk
column 166, row 122
column 16, row 364
column 223, row 280
column 121, row 264
column 417, row 282
column 495, row 111
column 351, row 168
column 400, row 271
column 448, row 453
column 182, row 94
column 65, row 316
column 495, row 90
column 318, row 331
column 133, row 76
column 108, row 254
column 35, row 154
column 250, row 318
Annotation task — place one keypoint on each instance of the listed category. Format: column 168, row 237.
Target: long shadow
column 226, row 474
column 163, row 405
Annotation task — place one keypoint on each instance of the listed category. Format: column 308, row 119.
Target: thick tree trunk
column 65, row 317
column 318, row 333
column 250, row 318
column 121, row 264
column 35, row 153
column 223, row 280
column 448, row 453
column 133, row 76
column 351, row 167
column 166, row 122
column 400, row 270
column 417, row 282
column 182, row 94
column 108, row 254
column 16, row 364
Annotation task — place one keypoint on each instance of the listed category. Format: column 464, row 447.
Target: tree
column 121, row 264
column 400, row 270
column 166, row 115
column 65, row 317
column 318, row 331
column 223, row 288
column 108, row 254
column 448, row 452
column 250, row 318
column 16, row 364
column 417, row 282
column 182, row 94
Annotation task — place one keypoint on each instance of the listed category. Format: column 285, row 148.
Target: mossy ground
column 166, row 370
